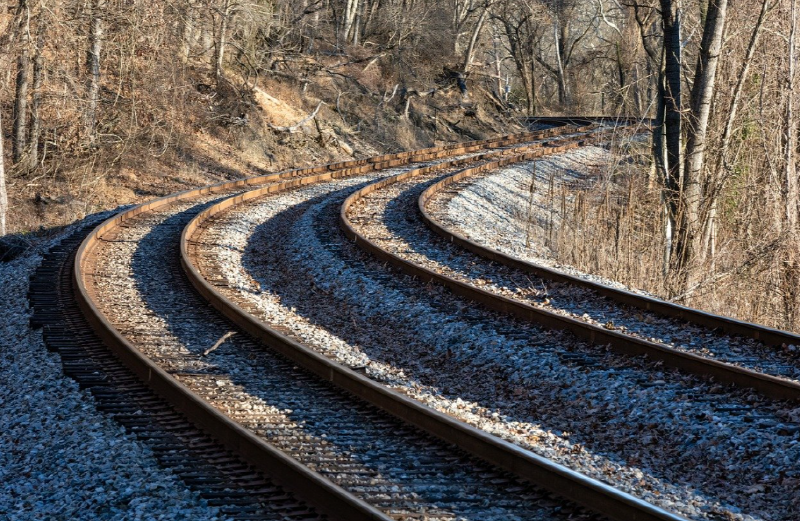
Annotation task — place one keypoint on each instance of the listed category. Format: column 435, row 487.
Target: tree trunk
column 3, row 195
column 473, row 41
column 95, row 47
column 221, row 42
column 21, row 94
column 36, row 102
column 560, row 42
column 187, row 31
column 733, row 108
column 357, row 24
column 670, row 94
column 790, row 197
column 348, row 19
column 697, row 132
column 662, row 167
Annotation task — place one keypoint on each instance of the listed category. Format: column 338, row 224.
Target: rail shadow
column 326, row 418
column 438, row 350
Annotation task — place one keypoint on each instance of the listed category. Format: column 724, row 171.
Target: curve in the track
column 588, row 492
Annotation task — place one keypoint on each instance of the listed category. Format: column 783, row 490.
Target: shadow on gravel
column 608, row 422
column 326, row 420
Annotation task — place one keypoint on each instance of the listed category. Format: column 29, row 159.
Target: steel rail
column 769, row 385
column 306, row 484
column 765, row 334
column 590, row 493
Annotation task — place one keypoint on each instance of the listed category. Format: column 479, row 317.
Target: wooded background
column 106, row 102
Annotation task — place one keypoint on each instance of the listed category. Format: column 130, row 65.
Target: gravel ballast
column 503, row 197
column 369, row 454
column 59, row 457
column 685, row 445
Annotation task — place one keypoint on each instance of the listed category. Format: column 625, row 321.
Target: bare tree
column 3, row 195
column 669, row 122
column 93, row 64
column 36, row 101
column 790, row 195
column 522, row 24
column 692, row 253
column 348, row 24
column 476, row 33
column 21, row 95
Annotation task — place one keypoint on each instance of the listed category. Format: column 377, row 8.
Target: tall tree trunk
column 221, row 41
column 670, row 94
column 36, row 102
column 348, row 19
column 530, row 89
column 702, row 93
column 21, row 95
column 187, row 30
column 733, row 108
column 473, row 41
column 661, row 166
column 357, row 24
column 95, row 47
column 3, row 195
column 790, row 196
column 560, row 44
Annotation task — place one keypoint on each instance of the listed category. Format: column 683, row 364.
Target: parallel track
column 333, row 475
column 593, row 494
column 773, row 386
column 309, row 485
column 219, row 476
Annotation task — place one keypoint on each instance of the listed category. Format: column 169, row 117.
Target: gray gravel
column 503, row 195
column 59, row 457
column 368, row 454
column 662, row 436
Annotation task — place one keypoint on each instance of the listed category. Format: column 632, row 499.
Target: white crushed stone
column 492, row 211
column 647, row 408
column 59, row 457
column 493, row 208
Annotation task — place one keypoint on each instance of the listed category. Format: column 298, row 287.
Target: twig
column 219, row 342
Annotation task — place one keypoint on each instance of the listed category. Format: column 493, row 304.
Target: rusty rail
column 307, row 484
column 576, row 487
column 768, row 385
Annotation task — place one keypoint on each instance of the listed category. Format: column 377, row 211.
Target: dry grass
column 611, row 224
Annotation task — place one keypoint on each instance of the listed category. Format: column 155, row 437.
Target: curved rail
column 294, row 476
column 567, row 483
column 768, row 385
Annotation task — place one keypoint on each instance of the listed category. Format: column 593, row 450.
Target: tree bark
column 95, row 47
column 221, row 41
column 560, row 35
column 3, row 195
column 21, row 95
column 733, row 108
column 348, row 20
column 670, row 99
column 187, row 30
column 473, row 41
column 36, row 102
column 790, row 196
column 702, row 93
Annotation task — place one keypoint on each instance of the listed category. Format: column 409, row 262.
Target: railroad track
column 381, row 219
column 725, row 357
column 129, row 256
column 221, row 477
column 332, row 268
column 743, row 355
column 735, row 352
column 320, row 304
column 290, row 411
